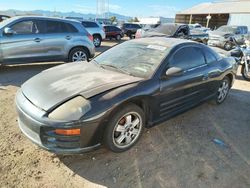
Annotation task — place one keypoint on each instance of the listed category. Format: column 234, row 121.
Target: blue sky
column 138, row 8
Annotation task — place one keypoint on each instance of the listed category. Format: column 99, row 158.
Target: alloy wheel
column 127, row 130
column 223, row 91
column 96, row 41
column 79, row 56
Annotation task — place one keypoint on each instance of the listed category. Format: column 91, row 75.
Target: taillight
column 138, row 35
column 90, row 37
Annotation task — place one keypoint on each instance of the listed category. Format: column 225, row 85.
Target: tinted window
column 89, row 24
column 135, row 26
column 210, row 57
column 114, row 28
column 69, row 28
column 24, row 27
column 54, row 27
column 187, row 57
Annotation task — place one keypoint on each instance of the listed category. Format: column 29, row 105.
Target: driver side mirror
column 8, row 31
column 174, row 71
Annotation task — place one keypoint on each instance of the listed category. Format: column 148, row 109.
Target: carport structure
column 216, row 14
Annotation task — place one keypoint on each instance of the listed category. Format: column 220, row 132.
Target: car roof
column 163, row 41
column 43, row 17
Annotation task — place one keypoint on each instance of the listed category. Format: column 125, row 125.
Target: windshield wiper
column 117, row 68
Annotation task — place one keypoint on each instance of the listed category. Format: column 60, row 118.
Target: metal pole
column 190, row 20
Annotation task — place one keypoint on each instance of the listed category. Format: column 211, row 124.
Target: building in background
column 216, row 14
column 155, row 20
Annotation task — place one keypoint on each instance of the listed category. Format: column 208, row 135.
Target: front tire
column 245, row 74
column 223, row 90
column 228, row 46
column 125, row 128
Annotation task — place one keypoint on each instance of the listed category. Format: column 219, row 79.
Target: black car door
column 182, row 91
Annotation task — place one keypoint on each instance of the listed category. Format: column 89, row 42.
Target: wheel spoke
column 120, row 128
column 135, row 122
column 120, row 138
column 135, row 132
column 128, row 139
column 128, row 119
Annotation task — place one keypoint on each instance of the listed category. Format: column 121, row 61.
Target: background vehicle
column 113, row 32
column 242, row 55
column 175, row 31
column 32, row 39
column 221, row 37
column 3, row 17
column 96, row 31
column 130, row 29
column 136, row 84
column 198, row 27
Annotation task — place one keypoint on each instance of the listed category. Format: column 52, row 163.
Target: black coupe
column 76, row 107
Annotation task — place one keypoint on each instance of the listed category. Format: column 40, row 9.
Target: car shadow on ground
column 16, row 75
column 179, row 152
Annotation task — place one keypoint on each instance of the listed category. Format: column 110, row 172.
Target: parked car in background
column 173, row 30
column 222, row 36
column 130, row 29
column 37, row 39
column 136, row 84
column 96, row 31
column 198, row 27
column 113, row 32
column 3, row 17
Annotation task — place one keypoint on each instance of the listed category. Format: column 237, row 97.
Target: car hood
column 146, row 34
column 56, row 85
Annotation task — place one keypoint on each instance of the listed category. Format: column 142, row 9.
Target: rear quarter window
column 89, row 24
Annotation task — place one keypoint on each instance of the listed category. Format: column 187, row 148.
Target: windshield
column 134, row 58
column 227, row 29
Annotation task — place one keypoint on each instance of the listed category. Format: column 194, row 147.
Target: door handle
column 37, row 40
column 68, row 37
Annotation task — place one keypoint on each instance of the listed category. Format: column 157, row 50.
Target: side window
column 210, row 57
column 24, row 27
column 68, row 28
column 187, row 58
column 54, row 27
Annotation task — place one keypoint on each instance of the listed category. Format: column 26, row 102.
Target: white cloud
column 165, row 11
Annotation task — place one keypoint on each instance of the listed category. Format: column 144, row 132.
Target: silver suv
column 96, row 31
column 37, row 39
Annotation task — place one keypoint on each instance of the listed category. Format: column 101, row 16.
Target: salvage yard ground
column 177, row 153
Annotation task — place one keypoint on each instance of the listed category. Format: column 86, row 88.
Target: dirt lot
column 177, row 153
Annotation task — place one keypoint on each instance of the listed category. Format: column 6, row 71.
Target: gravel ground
column 177, row 153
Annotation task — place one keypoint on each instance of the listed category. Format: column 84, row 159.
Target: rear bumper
column 41, row 131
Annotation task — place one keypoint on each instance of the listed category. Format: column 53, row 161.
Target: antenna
column 102, row 8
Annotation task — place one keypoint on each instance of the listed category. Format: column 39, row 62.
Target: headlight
column 74, row 109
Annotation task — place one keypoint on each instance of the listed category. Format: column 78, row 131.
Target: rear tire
column 118, row 37
column 78, row 54
column 124, row 128
column 228, row 46
column 97, row 40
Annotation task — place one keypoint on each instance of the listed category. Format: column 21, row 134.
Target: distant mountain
column 13, row 12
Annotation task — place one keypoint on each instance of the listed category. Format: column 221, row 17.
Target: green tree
column 136, row 19
column 113, row 19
